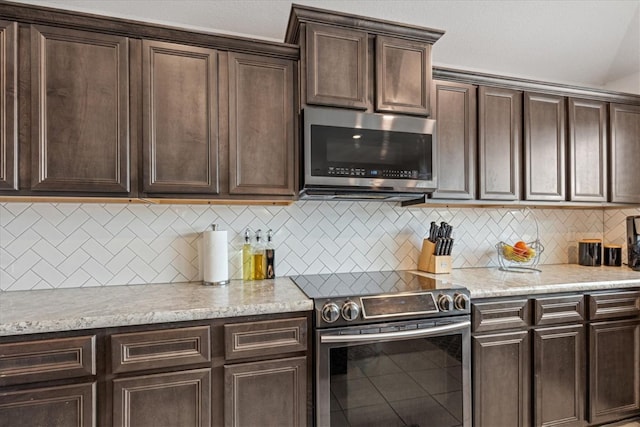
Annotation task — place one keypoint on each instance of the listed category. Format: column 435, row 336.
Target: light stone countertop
column 493, row 282
column 29, row 312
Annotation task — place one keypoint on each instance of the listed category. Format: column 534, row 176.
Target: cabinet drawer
column 554, row 310
column 496, row 315
column 614, row 305
column 160, row 349
column 49, row 359
column 265, row 338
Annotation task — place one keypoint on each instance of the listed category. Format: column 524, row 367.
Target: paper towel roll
column 215, row 260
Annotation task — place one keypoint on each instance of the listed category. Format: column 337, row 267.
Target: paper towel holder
column 214, row 227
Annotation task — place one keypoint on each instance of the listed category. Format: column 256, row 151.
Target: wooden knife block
column 431, row 263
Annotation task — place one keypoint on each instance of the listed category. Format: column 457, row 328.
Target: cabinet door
column 544, row 147
column 80, row 111
column 501, row 379
column 336, row 66
column 559, row 376
column 8, row 106
column 403, row 76
column 614, row 370
column 625, row 153
column 60, row 406
column 270, row 393
column 453, row 106
column 587, row 150
column 262, row 157
column 173, row 399
column 180, row 126
column 500, row 136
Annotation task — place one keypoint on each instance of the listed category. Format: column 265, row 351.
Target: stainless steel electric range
column 391, row 349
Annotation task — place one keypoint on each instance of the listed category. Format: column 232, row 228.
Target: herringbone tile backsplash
column 49, row 245
column 615, row 226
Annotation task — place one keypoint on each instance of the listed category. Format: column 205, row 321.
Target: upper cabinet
column 625, row 153
column 336, row 66
column 262, row 158
column 587, row 143
column 499, row 141
column 8, row 106
column 79, row 111
column 362, row 63
column 403, row 76
column 544, row 147
column 453, row 106
column 180, row 118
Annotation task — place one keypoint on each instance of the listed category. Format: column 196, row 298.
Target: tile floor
column 397, row 384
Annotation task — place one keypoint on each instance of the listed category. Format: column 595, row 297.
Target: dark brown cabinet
column 614, row 356
column 8, row 106
column 453, row 106
column 501, row 379
column 172, row 399
column 262, row 151
column 499, row 143
column 180, row 118
column 625, row 153
column 270, row 391
column 529, row 359
column 266, row 393
column 80, row 111
column 403, row 76
column 59, row 406
column 362, row 63
column 614, row 366
column 588, row 145
column 544, row 147
column 559, row 376
column 29, row 364
column 336, row 66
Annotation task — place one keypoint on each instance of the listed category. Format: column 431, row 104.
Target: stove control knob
column 461, row 302
column 445, row 302
column 330, row 312
column 350, row 311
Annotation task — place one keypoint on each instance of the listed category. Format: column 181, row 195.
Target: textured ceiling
column 593, row 43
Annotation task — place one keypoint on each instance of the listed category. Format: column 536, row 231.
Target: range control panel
column 342, row 311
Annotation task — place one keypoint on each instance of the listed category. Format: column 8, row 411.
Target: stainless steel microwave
column 365, row 155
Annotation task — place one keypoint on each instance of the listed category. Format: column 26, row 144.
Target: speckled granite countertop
column 492, row 282
column 29, row 312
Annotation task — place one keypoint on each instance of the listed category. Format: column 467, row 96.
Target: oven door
column 395, row 374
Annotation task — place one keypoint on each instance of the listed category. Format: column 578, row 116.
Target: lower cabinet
column 567, row 360
column 614, row 364
column 241, row 372
column 559, row 376
column 172, row 399
column 60, row 406
column 269, row 393
column 501, row 379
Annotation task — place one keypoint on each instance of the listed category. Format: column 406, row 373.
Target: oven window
column 402, row 383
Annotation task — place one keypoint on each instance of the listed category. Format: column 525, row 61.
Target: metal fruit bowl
column 515, row 259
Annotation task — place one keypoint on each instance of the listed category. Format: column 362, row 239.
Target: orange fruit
column 521, row 245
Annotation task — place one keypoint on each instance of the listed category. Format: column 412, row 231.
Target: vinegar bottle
column 258, row 258
column 247, row 256
column 270, row 257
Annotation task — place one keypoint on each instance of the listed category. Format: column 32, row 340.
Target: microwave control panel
column 371, row 173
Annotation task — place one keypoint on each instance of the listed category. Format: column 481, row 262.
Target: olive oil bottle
column 270, row 257
column 257, row 264
column 247, row 256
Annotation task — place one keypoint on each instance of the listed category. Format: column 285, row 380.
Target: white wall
column 628, row 84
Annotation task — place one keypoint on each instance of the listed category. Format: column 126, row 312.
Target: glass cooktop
column 366, row 283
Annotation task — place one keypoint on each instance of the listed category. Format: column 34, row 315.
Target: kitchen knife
column 432, row 230
column 438, row 249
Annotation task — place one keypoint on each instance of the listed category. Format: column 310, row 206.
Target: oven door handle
column 413, row 333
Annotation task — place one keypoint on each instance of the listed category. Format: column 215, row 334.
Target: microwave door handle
column 400, row 335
